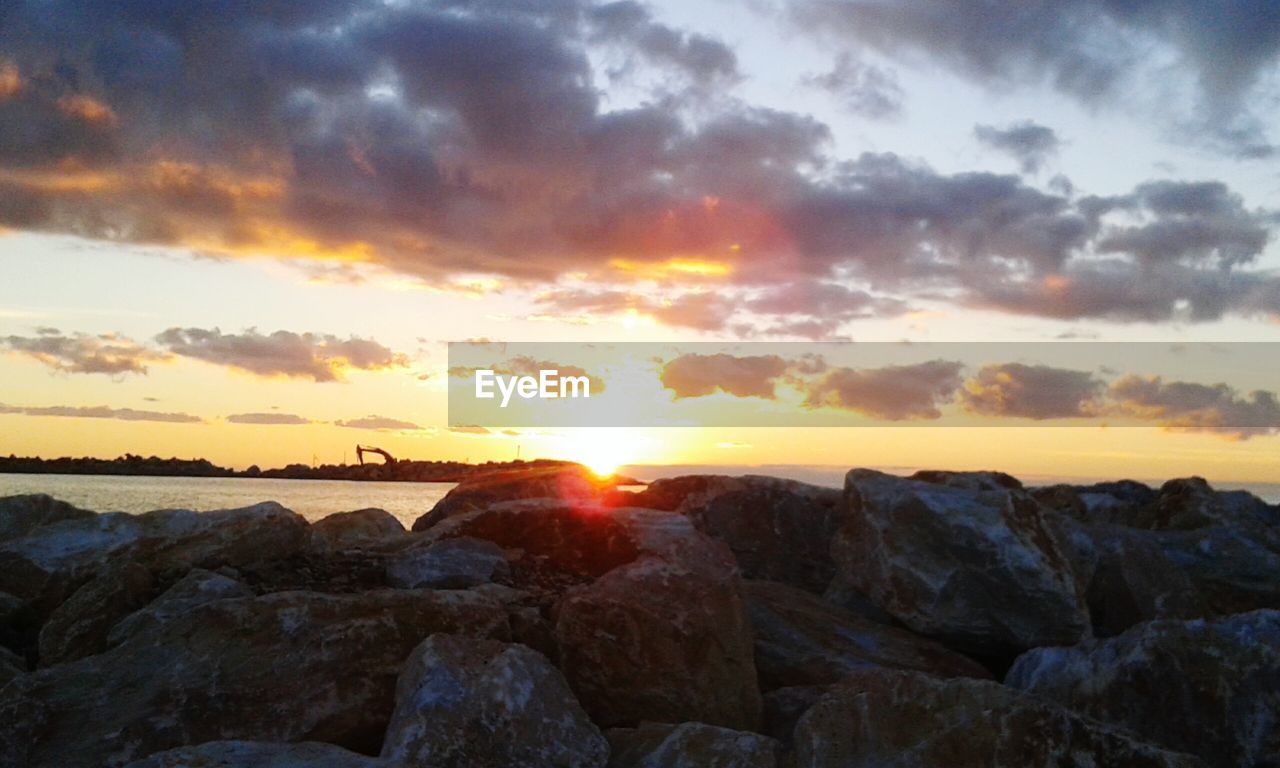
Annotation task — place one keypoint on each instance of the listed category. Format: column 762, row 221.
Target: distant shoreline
column 404, row 471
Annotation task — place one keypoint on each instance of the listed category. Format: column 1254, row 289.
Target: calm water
column 313, row 499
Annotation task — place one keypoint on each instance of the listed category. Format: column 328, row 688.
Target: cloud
column 322, row 358
column 1028, row 143
column 378, row 423
column 1031, row 392
column 456, row 139
column 267, row 418
column 1093, row 51
column 107, row 353
column 895, row 393
column 693, row 375
column 101, row 412
column 470, row 430
column 1197, row 407
column 863, row 89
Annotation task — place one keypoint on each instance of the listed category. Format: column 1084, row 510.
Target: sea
column 315, row 499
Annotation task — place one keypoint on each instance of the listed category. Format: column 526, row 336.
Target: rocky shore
column 540, row 617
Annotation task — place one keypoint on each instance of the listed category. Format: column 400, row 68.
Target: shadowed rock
column 779, row 530
column 801, row 640
column 253, row 754
column 486, row 704
column 1207, row 687
column 290, row 666
column 193, row 590
column 79, row 627
column 20, row 515
column 567, row 483
column 892, row 719
column 979, row 569
column 652, row 745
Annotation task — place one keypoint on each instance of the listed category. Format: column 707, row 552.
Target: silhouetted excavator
column 361, row 450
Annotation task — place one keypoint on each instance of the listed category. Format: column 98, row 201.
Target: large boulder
column 1209, row 687
column 1234, row 570
column 566, row 483
column 689, row 745
column 20, row 515
column 53, row 560
column 196, row 588
column 448, row 564
column 779, row 530
column 11, row 665
column 479, row 703
column 1189, row 503
column 290, row 666
column 79, row 626
column 894, row 719
column 346, row 530
column 255, row 754
column 664, row 637
column 978, row 569
column 801, row 640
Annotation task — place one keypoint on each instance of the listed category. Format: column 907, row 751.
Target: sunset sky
column 245, row 231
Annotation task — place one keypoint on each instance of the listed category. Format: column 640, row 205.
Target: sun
column 601, row 450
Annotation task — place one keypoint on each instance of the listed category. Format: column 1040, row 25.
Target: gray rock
column 894, row 719
column 290, row 666
column 79, row 626
column 665, row 637
column 778, row 530
column 448, row 564
column 20, row 515
column 347, row 530
column 689, row 745
column 253, row 754
column 801, row 640
column 477, row 703
column 979, row 569
column 567, row 484
column 193, row 590
column 1209, row 687
column 11, row 666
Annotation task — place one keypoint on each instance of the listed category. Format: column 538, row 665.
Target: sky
column 246, row 230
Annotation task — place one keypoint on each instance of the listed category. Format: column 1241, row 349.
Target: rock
column 20, row 515
column 467, row 702
column 1233, row 570
column 689, row 745
column 346, row 530
column 801, row 640
column 1190, row 503
column 663, row 638
column 18, row 625
column 193, row 590
column 253, row 754
column 11, row 666
column 969, row 481
column 53, row 560
column 567, row 483
column 895, row 719
column 449, row 564
column 779, row 530
column 979, row 570
column 1209, row 687
column 1115, row 503
column 79, row 626
column 783, row 707
column 290, row 666
column 1132, row 580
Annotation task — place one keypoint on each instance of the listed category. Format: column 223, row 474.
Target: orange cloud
column 10, row 80
column 88, row 109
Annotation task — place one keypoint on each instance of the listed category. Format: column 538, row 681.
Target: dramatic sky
column 243, row 230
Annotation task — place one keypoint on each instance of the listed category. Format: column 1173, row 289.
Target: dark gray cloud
column 1197, row 407
column 861, row 88
column 694, row 375
column 101, row 412
column 284, row 419
column 1028, row 143
column 1031, row 392
column 106, row 353
column 378, row 423
column 321, row 358
column 894, row 393
column 705, row 60
column 1089, row 49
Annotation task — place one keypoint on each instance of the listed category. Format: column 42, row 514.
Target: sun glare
column 600, row 450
